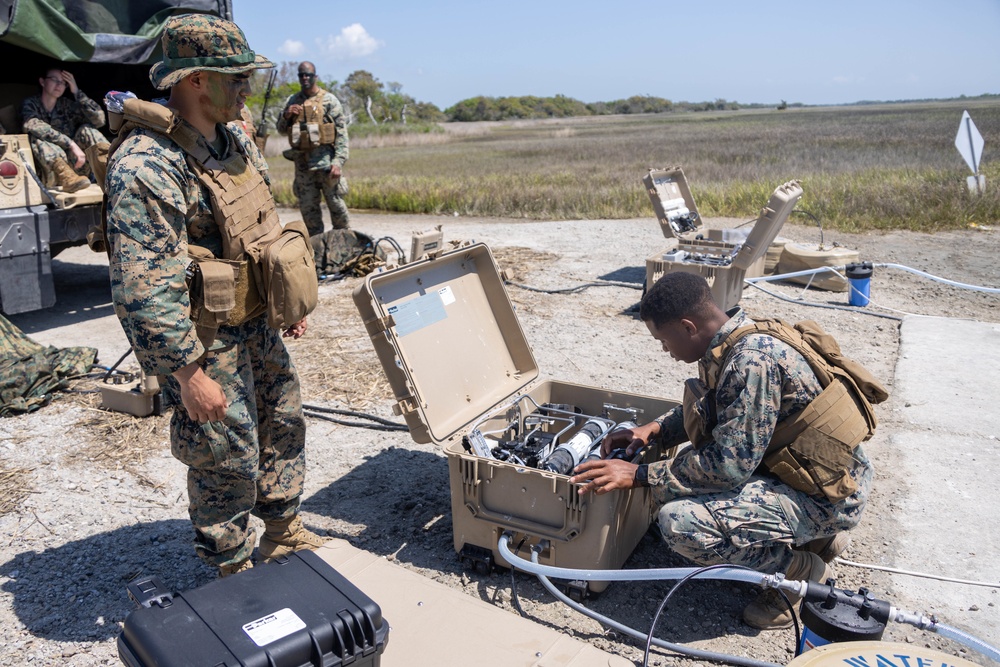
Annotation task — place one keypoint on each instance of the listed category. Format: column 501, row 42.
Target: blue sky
column 443, row 51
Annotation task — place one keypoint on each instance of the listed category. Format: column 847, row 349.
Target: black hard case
column 294, row 611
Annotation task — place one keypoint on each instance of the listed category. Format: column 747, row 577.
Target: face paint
column 225, row 95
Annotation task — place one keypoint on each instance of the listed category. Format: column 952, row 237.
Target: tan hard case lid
column 448, row 339
column 666, row 186
column 772, row 217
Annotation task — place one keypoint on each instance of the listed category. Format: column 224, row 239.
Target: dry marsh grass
column 862, row 167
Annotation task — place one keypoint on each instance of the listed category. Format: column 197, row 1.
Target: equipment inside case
column 723, row 263
column 464, row 377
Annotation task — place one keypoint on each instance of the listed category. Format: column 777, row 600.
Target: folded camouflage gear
column 345, row 252
column 30, row 372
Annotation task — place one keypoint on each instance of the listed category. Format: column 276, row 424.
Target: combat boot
column 226, row 570
column 769, row 611
column 283, row 537
column 68, row 180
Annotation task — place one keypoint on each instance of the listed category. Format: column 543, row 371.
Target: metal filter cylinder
column 825, row 623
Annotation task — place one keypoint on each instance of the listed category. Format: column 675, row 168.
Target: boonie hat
column 193, row 42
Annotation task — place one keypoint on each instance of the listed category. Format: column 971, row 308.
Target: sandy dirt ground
column 93, row 499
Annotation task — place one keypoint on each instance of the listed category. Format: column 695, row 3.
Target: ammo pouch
column 221, row 291
column 285, row 269
column 304, row 136
column 820, row 444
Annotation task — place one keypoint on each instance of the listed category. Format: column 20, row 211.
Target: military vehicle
column 107, row 45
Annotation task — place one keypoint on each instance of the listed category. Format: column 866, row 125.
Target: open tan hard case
column 456, row 357
column 724, row 264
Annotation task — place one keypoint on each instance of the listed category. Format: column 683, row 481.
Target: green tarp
column 30, row 372
column 97, row 31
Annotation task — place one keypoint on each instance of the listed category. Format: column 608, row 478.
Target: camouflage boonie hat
column 195, row 42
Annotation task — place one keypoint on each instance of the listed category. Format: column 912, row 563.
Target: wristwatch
column 641, row 475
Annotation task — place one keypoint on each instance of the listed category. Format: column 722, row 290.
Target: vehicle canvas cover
column 110, row 31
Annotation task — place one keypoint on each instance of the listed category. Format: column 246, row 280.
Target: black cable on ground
column 513, row 585
column 577, row 288
column 675, row 587
column 814, row 218
column 374, row 421
column 831, row 306
column 114, row 366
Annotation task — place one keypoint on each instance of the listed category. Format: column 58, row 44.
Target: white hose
column 654, row 574
column 966, row 639
column 976, row 288
column 901, row 267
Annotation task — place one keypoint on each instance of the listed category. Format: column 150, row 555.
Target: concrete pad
column 947, row 387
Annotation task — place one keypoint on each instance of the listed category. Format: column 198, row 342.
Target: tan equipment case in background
column 723, row 263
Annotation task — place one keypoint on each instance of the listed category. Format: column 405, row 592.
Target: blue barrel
column 859, row 278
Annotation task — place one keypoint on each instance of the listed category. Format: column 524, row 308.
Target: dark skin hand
column 610, row 474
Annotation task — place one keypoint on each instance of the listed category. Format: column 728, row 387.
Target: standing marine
column 316, row 126
column 188, row 207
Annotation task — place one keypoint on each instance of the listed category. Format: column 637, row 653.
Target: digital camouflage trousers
column 253, row 462
column 310, row 188
column 46, row 153
column 755, row 526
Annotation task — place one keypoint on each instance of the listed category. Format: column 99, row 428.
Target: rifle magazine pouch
column 289, row 276
column 327, row 133
column 314, row 133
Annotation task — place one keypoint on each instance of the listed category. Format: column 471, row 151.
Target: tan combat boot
column 68, row 180
column 283, row 537
column 769, row 611
column 226, row 570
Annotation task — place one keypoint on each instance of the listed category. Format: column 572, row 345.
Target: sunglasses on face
column 306, row 75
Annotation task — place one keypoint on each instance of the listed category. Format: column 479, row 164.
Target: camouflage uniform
column 51, row 132
column 252, row 462
column 312, row 182
column 716, row 506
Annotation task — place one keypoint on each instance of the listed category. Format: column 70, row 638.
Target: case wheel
column 476, row 558
column 577, row 590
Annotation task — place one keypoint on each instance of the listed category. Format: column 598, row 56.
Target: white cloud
column 352, row 42
column 292, row 48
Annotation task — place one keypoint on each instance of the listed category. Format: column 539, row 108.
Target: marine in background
column 759, row 486
column 314, row 121
column 61, row 128
column 179, row 179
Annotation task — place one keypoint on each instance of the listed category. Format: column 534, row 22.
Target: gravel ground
column 95, row 498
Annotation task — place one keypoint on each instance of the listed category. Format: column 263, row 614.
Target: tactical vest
column 812, row 450
column 307, row 130
column 264, row 267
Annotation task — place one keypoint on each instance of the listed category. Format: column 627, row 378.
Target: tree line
column 367, row 100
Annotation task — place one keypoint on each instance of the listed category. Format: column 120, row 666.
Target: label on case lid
column 273, row 627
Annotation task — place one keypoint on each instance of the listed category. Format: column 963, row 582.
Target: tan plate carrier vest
column 813, row 450
column 264, row 267
column 307, row 130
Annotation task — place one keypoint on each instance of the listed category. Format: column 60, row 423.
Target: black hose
column 378, row 423
column 577, row 288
